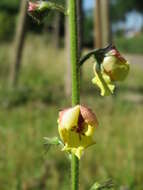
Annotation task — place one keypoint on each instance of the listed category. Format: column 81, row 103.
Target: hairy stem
column 74, row 52
column 75, row 82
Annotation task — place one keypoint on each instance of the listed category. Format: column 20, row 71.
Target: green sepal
column 49, row 5
column 105, row 185
column 52, row 141
column 95, row 186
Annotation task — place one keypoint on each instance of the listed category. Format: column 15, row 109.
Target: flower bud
column 38, row 9
column 115, row 66
column 76, row 127
column 33, row 6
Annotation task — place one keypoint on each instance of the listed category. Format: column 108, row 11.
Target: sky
column 88, row 4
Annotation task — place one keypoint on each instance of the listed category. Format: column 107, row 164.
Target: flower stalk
column 75, row 82
column 77, row 124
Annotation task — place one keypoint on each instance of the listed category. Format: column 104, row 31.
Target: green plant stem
column 74, row 173
column 97, row 53
column 75, row 82
column 74, row 52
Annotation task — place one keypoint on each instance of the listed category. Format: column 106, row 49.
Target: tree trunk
column 97, row 24
column 106, row 29
column 19, row 44
column 79, row 27
column 80, row 16
column 56, row 33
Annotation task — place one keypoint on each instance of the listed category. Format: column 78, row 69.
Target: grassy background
column 30, row 113
column 131, row 45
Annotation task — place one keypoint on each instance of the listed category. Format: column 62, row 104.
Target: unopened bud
column 115, row 66
column 33, row 6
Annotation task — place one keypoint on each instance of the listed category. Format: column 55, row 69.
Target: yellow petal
column 104, row 84
column 78, row 151
column 70, row 118
column 90, row 130
column 76, row 143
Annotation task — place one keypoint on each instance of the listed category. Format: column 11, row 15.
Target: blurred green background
column 29, row 111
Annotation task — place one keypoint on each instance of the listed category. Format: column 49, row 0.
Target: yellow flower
column 77, row 129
